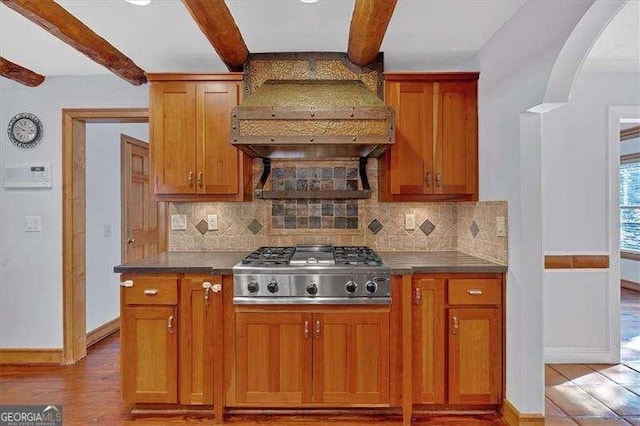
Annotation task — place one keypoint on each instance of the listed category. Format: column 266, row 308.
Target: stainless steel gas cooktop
column 320, row 274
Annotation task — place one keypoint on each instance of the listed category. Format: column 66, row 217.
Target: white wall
column 515, row 65
column 630, row 269
column 576, row 215
column 31, row 263
column 103, row 209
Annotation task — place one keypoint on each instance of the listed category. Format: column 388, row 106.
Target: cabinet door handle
column 428, row 178
column 170, row 324
column 131, row 240
column 306, row 330
column 438, row 179
column 456, row 326
column 475, row 292
column 418, row 297
column 200, row 179
column 317, row 329
column 151, row 291
column 207, row 288
column 190, row 178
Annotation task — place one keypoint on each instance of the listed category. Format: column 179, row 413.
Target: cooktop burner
column 270, row 256
column 356, row 255
column 323, row 254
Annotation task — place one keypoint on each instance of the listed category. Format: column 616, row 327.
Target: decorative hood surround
column 312, row 106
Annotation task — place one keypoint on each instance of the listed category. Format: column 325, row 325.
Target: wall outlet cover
column 501, row 228
column 410, row 221
column 212, row 219
column 33, row 223
column 178, row 222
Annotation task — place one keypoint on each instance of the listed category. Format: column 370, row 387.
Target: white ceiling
column 618, row 47
column 162, row 37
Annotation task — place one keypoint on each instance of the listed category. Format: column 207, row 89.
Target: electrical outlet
column 106, row 231
column 212, row 219
column 501, row 228
column 409, row 221
column 178, row 222
column 33, row 223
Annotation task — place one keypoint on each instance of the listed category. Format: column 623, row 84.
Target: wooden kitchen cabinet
column 192, row 157
column 428, row 315
column 312, row 357
column 273, row 358
column 435, row 154
column 150, row 354
column 457, row 339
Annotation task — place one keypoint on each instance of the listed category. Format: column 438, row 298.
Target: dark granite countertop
column 416, row 262
column 185, row 262
column 222, row 262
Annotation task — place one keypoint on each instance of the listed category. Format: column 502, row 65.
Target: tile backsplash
column 470, row 227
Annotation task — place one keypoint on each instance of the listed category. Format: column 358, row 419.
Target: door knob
column 131, row 240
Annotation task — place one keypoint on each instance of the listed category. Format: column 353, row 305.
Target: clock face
column 25, row 130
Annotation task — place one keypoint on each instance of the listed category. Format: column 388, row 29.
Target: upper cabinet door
column 456, row 156
column 411, row 157
column 219, row 163
column 173, row 130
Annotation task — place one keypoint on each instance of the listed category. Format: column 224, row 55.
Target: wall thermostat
column 35, row 175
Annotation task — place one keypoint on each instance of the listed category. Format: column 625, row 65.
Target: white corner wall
column 103, row 251
column 31, row 263
column 576, row 219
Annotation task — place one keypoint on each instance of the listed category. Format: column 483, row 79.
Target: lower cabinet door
column 150, row 354
column 475, row 357
column 351, row 358
column 273, row 358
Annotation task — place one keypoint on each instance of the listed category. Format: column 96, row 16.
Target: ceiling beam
column 19, row 73
column 368, row 24
column 217, row 24
column 58, row 22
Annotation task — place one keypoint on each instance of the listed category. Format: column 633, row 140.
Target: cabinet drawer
column 152, row 291
column 474, row 291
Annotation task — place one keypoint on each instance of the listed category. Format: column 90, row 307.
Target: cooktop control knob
column 371, row 287
column 351, row 287
column 272, row 286
column 253, row 287
column 312, row 289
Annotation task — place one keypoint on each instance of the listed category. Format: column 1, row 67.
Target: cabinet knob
column 216, row 288
column 131, row 240
column 127, row 283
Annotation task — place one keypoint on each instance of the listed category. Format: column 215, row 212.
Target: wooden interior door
column 219, row 162
column 173, row 137
column 273, row 358
column 428, row 341
column 150, row 348
column 475, row 357
column 456, row 156
column 411, row 162
column 141, row 232
column 200, row 312
column 351, row 357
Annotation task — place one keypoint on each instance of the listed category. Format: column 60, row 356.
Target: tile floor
column 598, row 394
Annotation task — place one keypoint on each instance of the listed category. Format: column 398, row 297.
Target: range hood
column 312, row 119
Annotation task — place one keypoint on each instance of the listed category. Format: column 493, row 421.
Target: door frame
column 74, row 219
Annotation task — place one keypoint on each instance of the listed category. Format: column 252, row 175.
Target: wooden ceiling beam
column 217, row 24
column 368, row 25
column 19, row 73
column 54, row 19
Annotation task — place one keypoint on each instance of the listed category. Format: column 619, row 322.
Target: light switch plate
column 409, row 221
column 33, row 223
column 501, row 228
column 178, row 222
column 212, row 219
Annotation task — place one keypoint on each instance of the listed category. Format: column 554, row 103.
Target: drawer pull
column 127, row 283
column 170, row 324
column 151, row 291
column 306, row 330
column 474, row 292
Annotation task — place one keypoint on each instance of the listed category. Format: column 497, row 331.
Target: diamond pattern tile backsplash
column 247, row 226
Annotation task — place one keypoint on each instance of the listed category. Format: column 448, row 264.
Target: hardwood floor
column 89, row 392
column 598, row 394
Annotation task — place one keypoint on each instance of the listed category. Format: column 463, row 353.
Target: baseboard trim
column 105, row 330
column 10, row 356
column 577, row 356
column 513, row 417
column 630, row 285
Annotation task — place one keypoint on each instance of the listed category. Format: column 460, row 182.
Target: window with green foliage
column 630, row 202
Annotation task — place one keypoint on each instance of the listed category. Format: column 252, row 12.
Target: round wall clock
column 25, row 130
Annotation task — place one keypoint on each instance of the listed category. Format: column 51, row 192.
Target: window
column 630, row 202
